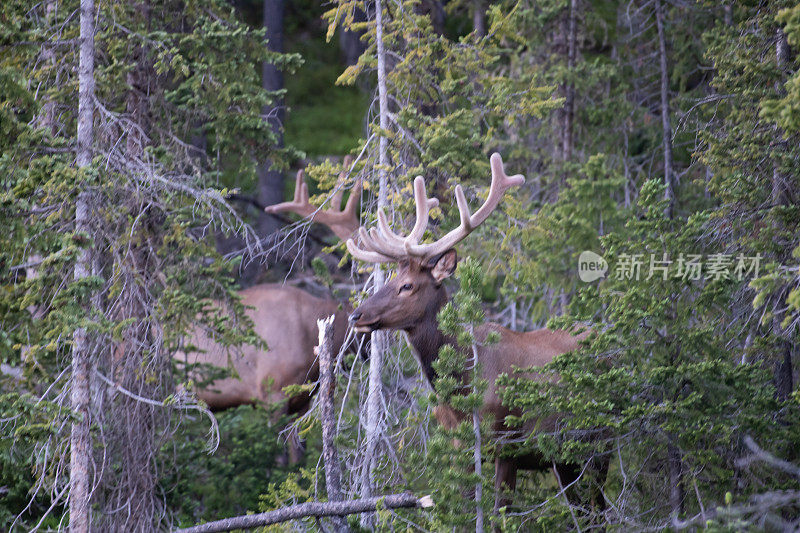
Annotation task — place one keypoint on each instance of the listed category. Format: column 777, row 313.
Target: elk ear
column 443, row 265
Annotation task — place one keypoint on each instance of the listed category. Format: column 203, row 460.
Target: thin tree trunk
column 675, row 466
column 375, row 386
column 270, row 181
column 784, row 379
column 476, row 455
column 333, row 472
column 47, row 117
column 478, row 460
column 80, row 437
column 669, row 193
column 567, row 135
column 479, row 18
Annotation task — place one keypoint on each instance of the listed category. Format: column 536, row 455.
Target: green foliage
column 228, row 481
column 25, row 423
column 676, row 371
column 298, row 487
column 155, row 276
column 460, row 390
column 324, row 119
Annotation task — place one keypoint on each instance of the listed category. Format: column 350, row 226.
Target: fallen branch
column 317, row 509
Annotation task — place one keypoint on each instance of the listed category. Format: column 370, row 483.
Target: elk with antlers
column 411, row 301
column 285, row 317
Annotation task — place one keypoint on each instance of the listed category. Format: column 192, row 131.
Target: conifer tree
column 135, row 217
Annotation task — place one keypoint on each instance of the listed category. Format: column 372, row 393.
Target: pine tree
column 140, row 207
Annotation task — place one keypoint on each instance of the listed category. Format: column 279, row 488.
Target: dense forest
column 190, row 188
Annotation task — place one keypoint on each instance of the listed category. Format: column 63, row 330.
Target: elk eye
column 406, row 287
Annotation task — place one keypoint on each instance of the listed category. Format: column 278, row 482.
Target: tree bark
column 350, row 41
column 333, row 472
column 270, row 181
column 675, row 466
column 479, row 18
column 303, row 510
column 375, row 387
column 567, row 134
column 784, row 371
column 47, row 116
column 476, row 452
column 669, row 193
column 80, row 437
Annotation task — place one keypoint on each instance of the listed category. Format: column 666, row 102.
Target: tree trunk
column 47, row 116
column 675, row 480
column 479, row 18
column 350, row 41
column 476, row 452
column 669, row 193
column 271, row 182
column 784, row 378
column 567, row 135
column 375, row 387
column 132, row 427
column 80, row 437
column 333, row 472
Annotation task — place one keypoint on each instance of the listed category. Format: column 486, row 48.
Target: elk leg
column 297, row 449
column 505, row 479
column 566, row 474
column 600, row 464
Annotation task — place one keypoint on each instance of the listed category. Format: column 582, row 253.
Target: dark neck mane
column 426, row 339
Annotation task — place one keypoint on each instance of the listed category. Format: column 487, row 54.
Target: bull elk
column 412, row 299
column 285, row 317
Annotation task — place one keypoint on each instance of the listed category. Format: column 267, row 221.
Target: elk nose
column 355, row 316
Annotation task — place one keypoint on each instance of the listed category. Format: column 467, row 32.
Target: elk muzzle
column 362, row 325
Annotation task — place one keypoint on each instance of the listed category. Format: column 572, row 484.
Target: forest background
column 659, row 134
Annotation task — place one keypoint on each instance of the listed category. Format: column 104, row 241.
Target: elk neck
column 426, row 339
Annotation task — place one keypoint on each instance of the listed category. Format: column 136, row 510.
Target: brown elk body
column 286, row 319
column 412, row 299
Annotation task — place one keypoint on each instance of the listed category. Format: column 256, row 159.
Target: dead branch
column 318, row 509
column 333, row 472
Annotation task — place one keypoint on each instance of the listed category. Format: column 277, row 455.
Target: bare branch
column 304, row 510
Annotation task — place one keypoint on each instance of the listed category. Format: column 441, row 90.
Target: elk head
column 415, row 295
column 412, row 296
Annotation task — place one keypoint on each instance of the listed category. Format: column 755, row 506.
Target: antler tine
column 423, row 206
column 351, row 208
column 367, row 256
column 396, row 244
column 371, row 247
column 500, row 184
column 300, row 204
